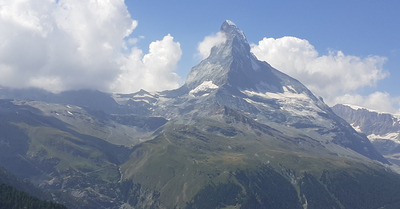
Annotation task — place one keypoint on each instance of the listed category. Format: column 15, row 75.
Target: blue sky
column 350, row 25
column 346, row 51
column 358, row 28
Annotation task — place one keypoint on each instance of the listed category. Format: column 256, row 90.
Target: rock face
column 238, row 133
column 382, row 129
column 232, row 78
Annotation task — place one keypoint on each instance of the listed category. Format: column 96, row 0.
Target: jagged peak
column 228, row 26
column 231, row 30
column 229, row 22
column 235, row 44
column 232, row 64
column 229, row 62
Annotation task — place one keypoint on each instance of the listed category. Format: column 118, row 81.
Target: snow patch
column 141, row 96
column 204, row 88
column 357, row 128
column 256, row 103
column 389, row 136
column 291, row 88
column 299, row 104
column 141, row 100
column 286, row 95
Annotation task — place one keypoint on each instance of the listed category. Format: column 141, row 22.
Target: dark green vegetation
column 16, row 193
column 10, row 179
column 10, row 198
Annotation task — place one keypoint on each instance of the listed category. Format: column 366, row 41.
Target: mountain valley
column 238, row 134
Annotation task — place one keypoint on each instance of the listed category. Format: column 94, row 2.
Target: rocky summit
column 238, row 134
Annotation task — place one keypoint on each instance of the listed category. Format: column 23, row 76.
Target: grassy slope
column 185, row 162
column 80, row 170
column 52, row 147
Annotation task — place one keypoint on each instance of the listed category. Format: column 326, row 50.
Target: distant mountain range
column 382, row 129
column 237, row 134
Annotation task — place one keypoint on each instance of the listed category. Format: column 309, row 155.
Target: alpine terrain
column 382, row 129
column 237, row 134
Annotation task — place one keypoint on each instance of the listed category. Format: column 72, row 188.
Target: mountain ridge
column 382, row 129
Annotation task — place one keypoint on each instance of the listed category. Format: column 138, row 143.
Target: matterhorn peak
column 236, row 42
column 229, row 22
column 231, row 30
column 229, row 63
column 232, row 65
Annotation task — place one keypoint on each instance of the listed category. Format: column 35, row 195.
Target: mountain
column 237, row 134
column 242, row 134
column 231, row 79
column 382, row 129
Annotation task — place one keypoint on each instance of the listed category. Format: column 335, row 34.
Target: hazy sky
column 345, row 51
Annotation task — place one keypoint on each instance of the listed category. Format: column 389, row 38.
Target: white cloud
column 204, row 47
column 72, row 44
column 153, row 71
column 329, row 76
